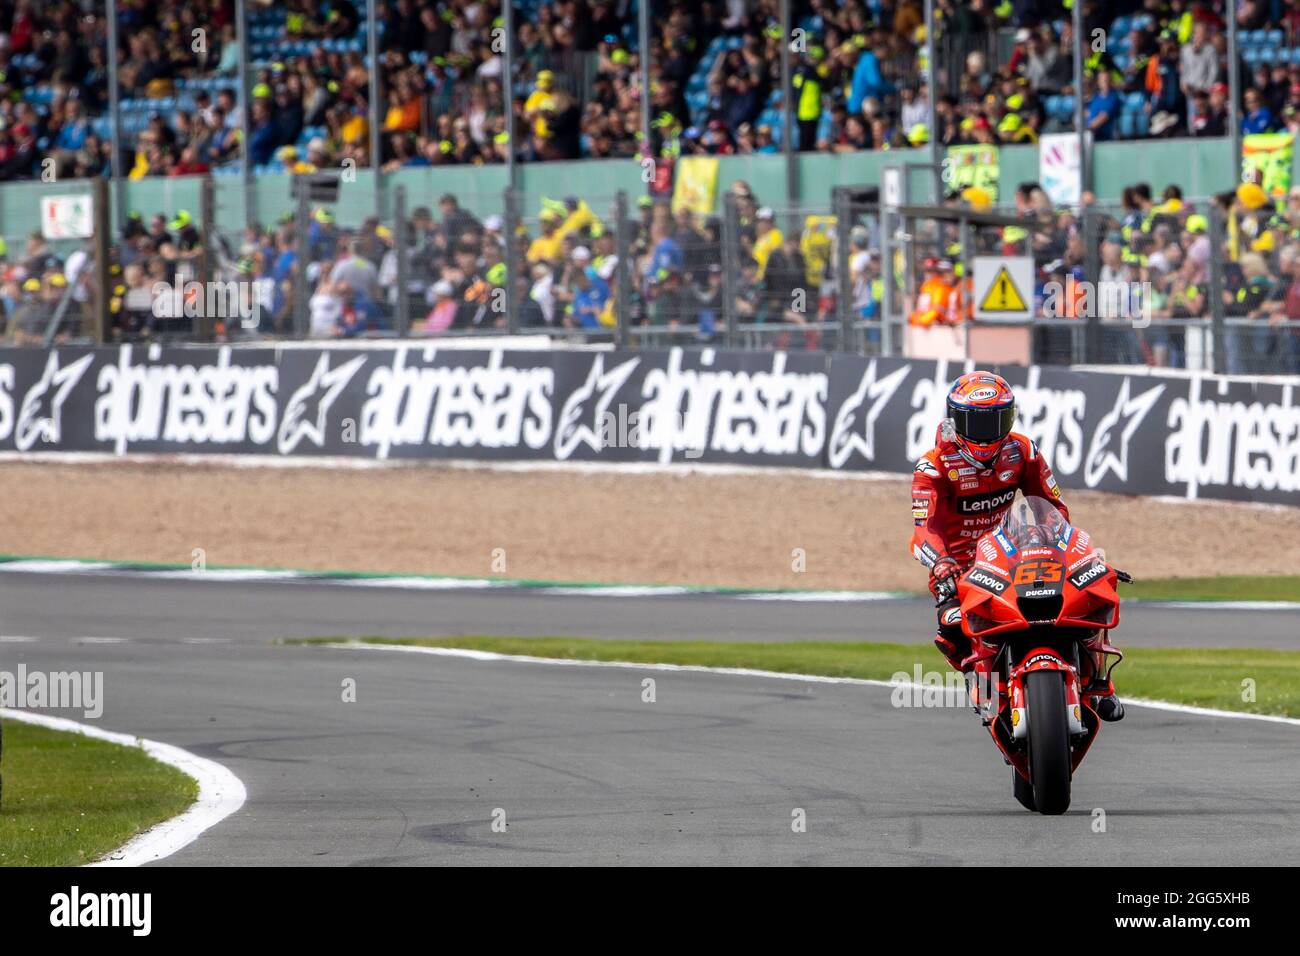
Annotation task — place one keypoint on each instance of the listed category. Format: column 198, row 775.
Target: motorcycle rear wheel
column 1049, row 741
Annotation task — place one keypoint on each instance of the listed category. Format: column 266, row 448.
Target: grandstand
column 283, row 89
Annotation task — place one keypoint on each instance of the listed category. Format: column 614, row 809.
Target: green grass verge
column 1201, row 677
column 69, row 799
column 1226, row 588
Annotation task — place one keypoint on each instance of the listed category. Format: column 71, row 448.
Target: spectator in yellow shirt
column 549, row 246
column 769, row 238
column 541, row 99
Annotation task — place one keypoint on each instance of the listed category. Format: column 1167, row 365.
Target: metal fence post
column 508, row 90
column 730, row 266
column 787, row 109
column 245, row 113
column 643, row 64
column 376, row 110
column 1080, row 126
column 842, row 206
column 512, row 275
column 623, row 287
column 115, row 119
column 303, row 256
column 1218, row 341
column 207, row 219
column 1234, row 96
column 401, row 249
column 103, row 318
column 886, row 310
column 932, row 103
column 1092, row 272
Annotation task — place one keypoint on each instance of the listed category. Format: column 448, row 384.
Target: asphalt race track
column 585, row 772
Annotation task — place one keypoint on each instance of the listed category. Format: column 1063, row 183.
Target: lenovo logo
column 987, row 581
column 1087, row 576
column 989, row 502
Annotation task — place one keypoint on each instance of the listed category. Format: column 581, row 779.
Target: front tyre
column 1049, row 741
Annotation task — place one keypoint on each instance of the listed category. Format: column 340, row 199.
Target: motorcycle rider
column 963, row 487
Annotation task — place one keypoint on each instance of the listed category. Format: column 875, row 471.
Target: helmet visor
column 983, row 426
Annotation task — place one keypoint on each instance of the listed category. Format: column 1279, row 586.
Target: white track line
column 754, row 672
column 337, row 462
column 1224, row 605
column 221, row 793
column 435, row 583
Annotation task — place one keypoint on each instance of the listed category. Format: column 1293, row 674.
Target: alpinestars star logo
column 855, row 429
column 1117, row 427
column 36, row 422
column 300, row 419
column 574, row 428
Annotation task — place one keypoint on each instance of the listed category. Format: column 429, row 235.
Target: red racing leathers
column 955, row 503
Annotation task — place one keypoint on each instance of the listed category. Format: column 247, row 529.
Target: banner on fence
column 1198, row 436
column 696, row 187
column 975, row 165
column 1266, row 159
column 1060, row 167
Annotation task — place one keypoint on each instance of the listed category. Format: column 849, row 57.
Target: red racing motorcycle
column 1037, row 604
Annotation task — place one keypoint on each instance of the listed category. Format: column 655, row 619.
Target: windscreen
column 1032, row 522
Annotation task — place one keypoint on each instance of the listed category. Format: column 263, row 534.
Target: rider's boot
column 951, row 640
column 1109, row 708
column 1104, row 700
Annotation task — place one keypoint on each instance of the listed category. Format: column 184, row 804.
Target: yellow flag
column 696, row 187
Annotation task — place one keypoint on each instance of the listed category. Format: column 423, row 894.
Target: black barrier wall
column 1201, row 437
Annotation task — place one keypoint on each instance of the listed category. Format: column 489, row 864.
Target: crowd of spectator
column 681, row 280
column 860, row 80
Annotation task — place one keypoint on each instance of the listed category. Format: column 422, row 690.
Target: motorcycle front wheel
column 1049, row 741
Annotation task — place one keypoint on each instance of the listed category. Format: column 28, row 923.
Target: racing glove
column 943, row 570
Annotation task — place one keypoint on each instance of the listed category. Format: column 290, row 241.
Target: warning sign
column 1004, row 287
